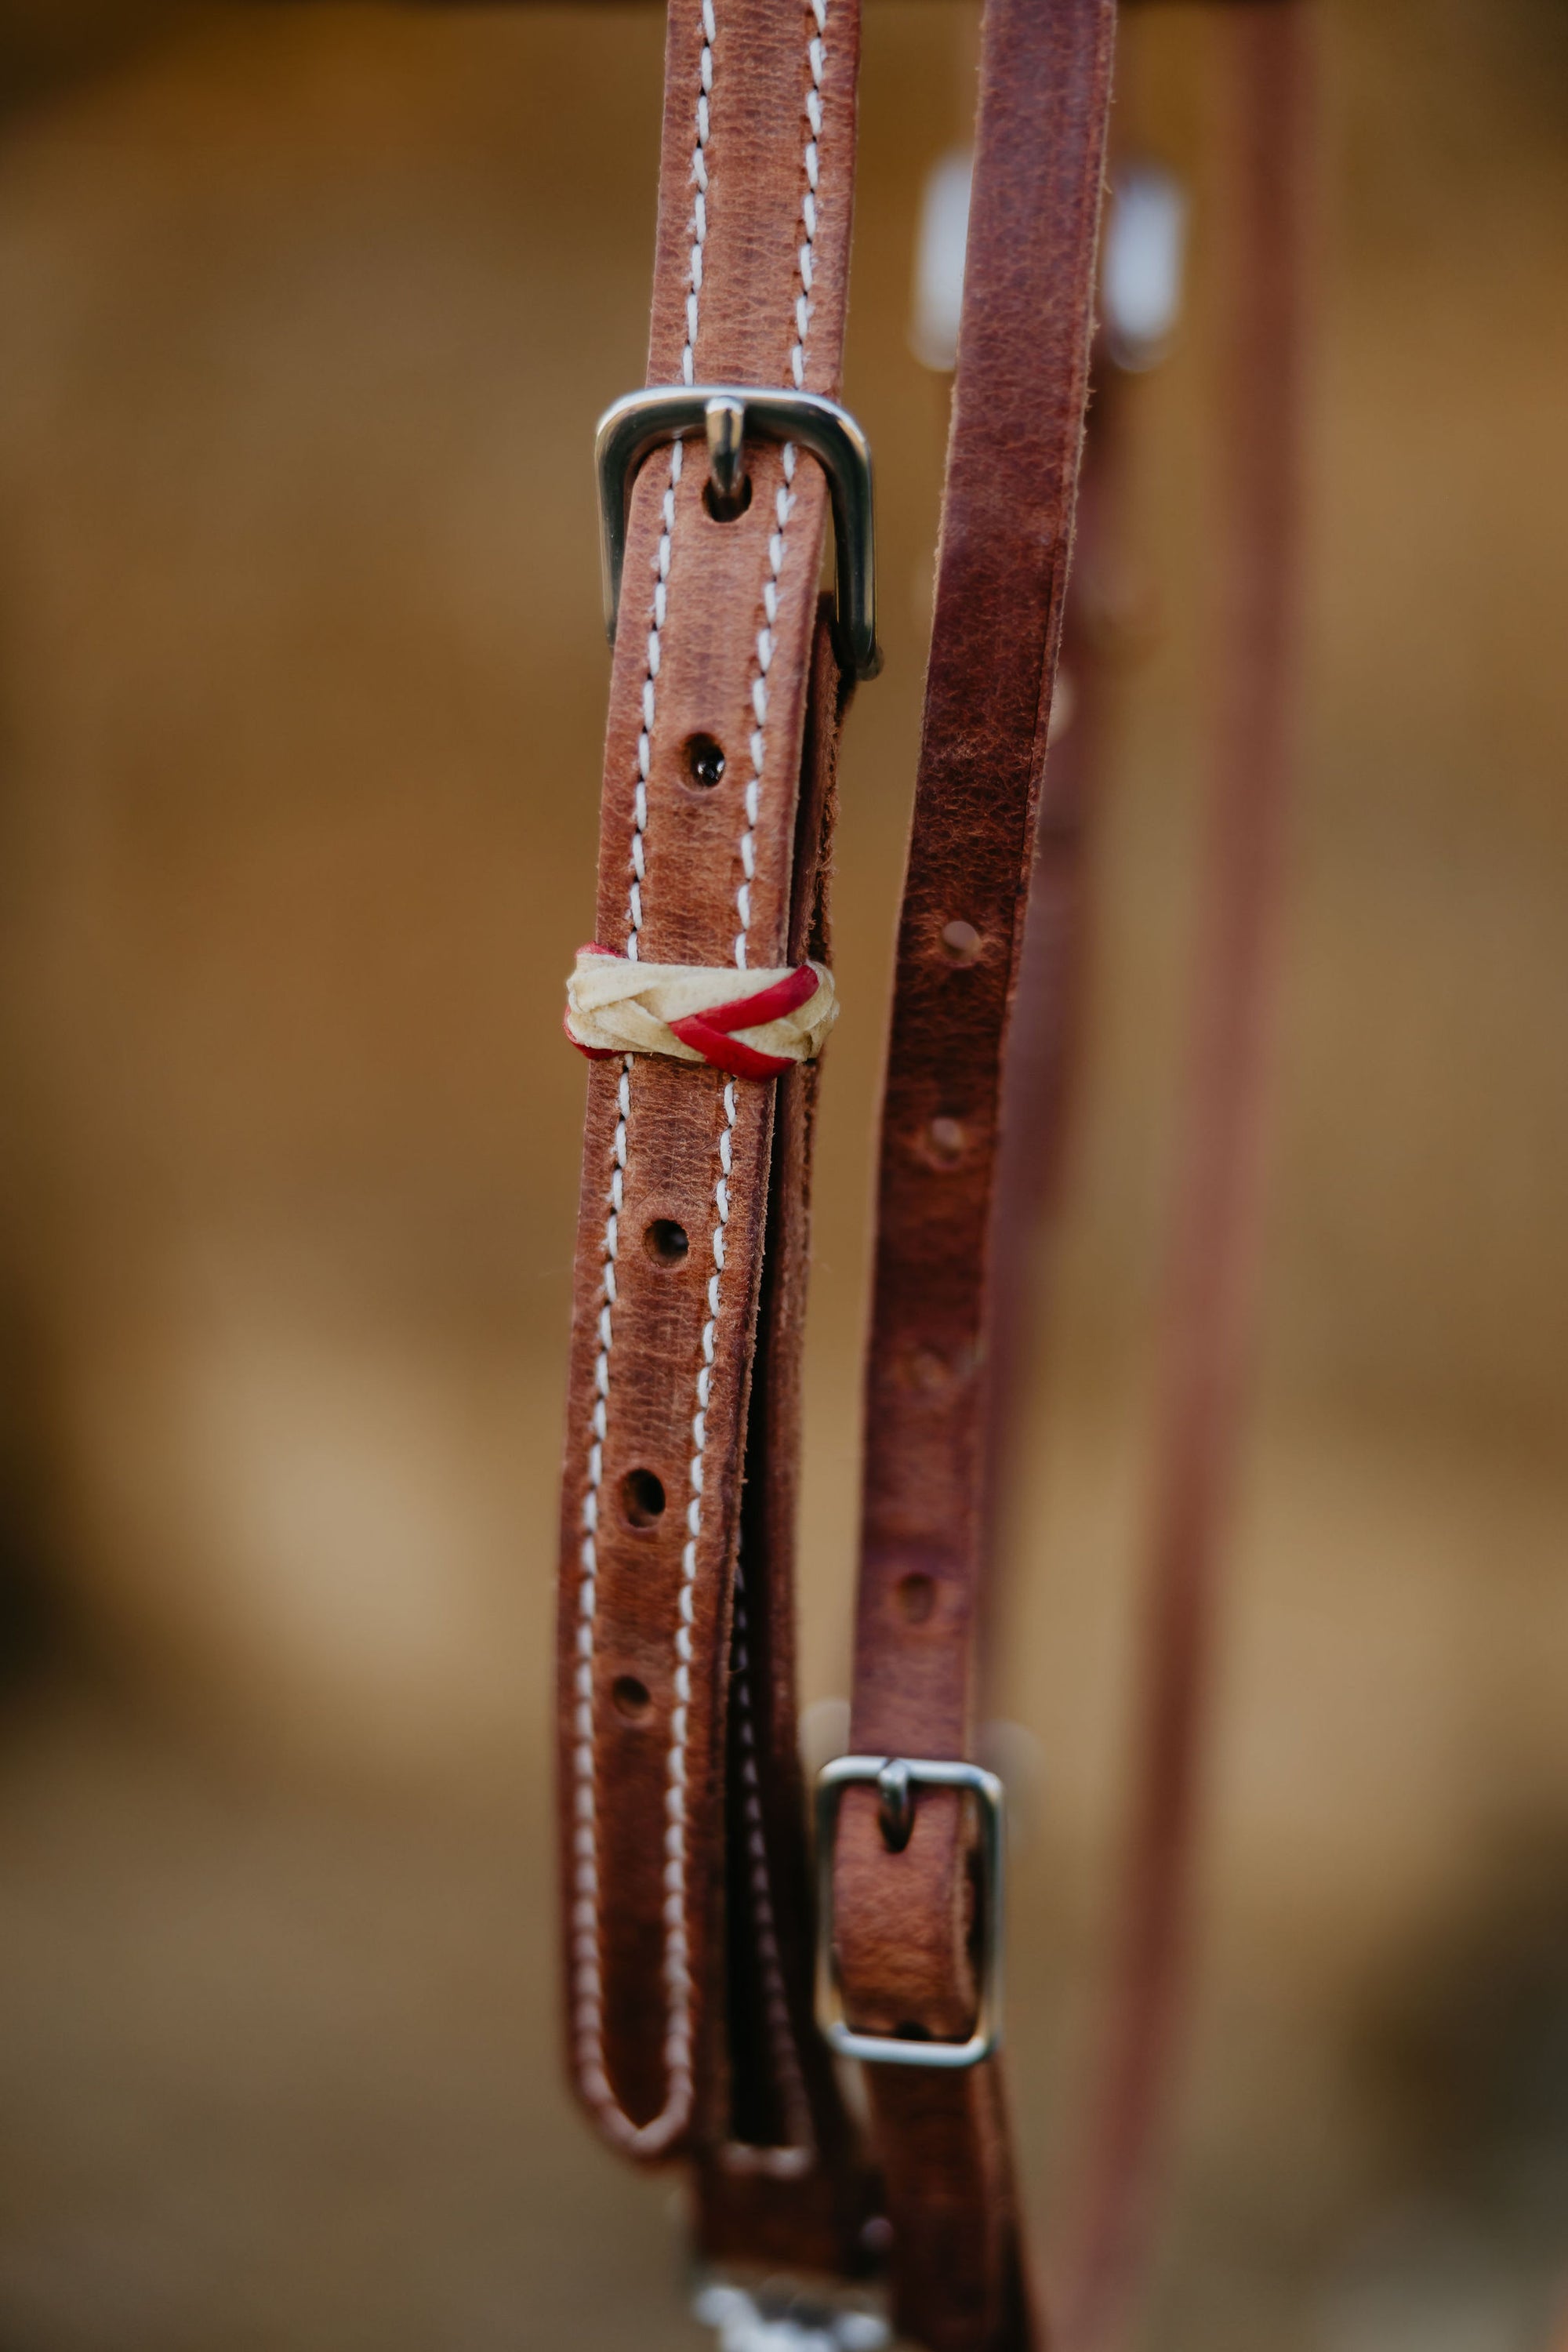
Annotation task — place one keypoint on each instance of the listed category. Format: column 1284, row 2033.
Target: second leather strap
column 906, row 1919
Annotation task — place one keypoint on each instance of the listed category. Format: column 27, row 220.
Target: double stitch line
column 781, row 2039
column 587, row 1968
column 588, row 1977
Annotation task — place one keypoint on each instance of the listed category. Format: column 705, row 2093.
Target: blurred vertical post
column 1258, row 218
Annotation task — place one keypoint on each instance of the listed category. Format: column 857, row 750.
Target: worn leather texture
column 686, row 1885
column 718, row 645
column 905, row 1919
column 782, row 2178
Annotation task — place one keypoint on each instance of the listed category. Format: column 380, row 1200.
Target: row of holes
column 705, row 759
column 667, row 1242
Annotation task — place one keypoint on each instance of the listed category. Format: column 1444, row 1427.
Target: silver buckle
column 775, row 2316
column 896, row 1780
column 727, row 412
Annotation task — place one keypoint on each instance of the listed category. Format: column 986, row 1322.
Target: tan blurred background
column 305, row 316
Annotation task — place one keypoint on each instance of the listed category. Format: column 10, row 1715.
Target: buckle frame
column 904, row 1775
column 638, row 422
column 788, row 2314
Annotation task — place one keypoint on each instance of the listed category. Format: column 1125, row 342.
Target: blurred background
column 306, row 313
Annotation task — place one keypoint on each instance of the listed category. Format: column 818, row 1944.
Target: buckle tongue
column 725, row 418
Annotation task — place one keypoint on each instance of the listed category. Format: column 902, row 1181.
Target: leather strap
column 904, row 1919
column 782, row 2180
column 1259, row 201
column 667, row 1687
column 682, row 1853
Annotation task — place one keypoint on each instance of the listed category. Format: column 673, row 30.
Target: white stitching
column 587, row 1988
column 699, row 204
column 786, row 2063
column 784, row 503
column 784, row 506
column 815, row 59
column 587, row 1984
column 587, row 1978
column 661, row 559
column 649, row 684
column 775, row 2007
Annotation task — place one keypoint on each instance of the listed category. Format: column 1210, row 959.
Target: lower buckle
column 897, row 1779
column 776, row 2314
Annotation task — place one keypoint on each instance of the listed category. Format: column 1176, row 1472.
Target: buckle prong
column 895, row 1804
column 727, row 413
column 896, row 1780
column 725, row 418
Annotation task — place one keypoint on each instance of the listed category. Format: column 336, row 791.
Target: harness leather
column 686, row 1968
column 684, row 1864
column 905, row 1919
column 1261, row 83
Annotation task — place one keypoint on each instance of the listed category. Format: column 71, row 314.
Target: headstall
column 719, row 1974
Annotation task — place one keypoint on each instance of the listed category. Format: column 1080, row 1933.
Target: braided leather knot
column 753, row 1024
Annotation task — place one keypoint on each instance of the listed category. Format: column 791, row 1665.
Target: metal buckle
column 776, row 2315
column 896, row 1778
column 727, row 412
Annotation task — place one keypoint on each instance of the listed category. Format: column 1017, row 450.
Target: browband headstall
column 755, row 1024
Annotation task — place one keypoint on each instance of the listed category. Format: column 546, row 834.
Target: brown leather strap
column 1259, row 204
column 682, row 1853
column 699, row 864
column 781, row 2177
column 904, row 1918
